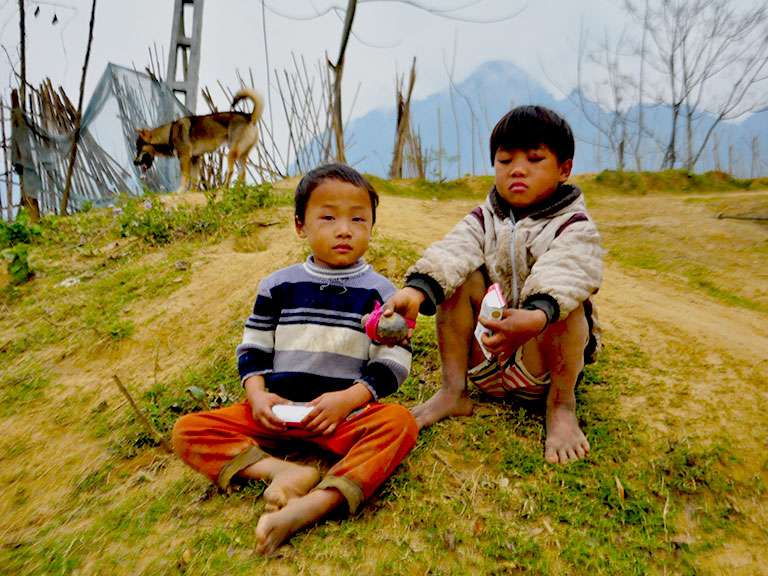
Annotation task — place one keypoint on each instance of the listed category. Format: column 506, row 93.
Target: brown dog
column 191, row 136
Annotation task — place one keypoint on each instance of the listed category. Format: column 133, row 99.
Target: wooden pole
column 731, row 166
column 716, row 151
column 755, row 169
column 338, row 72
column 143, row 419
column 7, row 168
column 31, row 206
column 76, row 135
column 19, row 146
column 23, row 53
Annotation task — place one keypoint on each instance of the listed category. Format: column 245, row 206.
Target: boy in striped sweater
column 304, row 343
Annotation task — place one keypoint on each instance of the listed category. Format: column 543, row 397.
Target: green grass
column 698, row 277
column 474, row 497
column 689, row 260
column 391, row 257
column 665, row 181
column 164, row 402
column 21, row 386
column 114, row 272
column 469, row 187
column 487, row 503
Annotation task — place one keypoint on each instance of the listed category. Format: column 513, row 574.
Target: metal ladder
column 187, row 50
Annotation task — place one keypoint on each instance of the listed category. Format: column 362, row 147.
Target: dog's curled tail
column 253, row 96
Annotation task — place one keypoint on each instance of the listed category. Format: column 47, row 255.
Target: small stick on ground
column 147, row 424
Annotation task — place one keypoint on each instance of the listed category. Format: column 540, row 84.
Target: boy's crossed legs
column 558, row 350
column 222, row 443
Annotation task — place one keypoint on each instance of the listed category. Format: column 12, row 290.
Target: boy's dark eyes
column 358, row 219
column 530, row 159
column 326, row 217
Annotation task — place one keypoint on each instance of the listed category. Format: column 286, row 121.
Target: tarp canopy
column 123, row 101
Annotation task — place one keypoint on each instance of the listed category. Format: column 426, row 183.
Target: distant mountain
column 466, row 115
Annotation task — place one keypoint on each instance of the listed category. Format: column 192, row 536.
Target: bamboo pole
column 76, row 136
column 7, row 168
column 143, row 419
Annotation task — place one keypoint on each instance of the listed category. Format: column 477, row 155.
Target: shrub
column 150, row 220
column 19, row 232
column 147, row 219
column 18, row 264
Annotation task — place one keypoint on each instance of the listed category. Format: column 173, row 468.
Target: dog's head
column 145, row 152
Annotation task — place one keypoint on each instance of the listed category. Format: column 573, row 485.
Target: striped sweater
column 304, row 334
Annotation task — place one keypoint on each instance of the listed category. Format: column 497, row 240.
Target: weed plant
column 150, row 220
column 15, row 238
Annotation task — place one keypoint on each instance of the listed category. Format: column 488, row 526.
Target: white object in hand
column 293, row 413
column 491, row 308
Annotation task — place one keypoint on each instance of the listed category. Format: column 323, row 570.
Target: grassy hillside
column 155, row 292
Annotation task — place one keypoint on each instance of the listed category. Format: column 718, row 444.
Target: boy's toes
column 274, row 498
column 550, row 455
column 563, row 455
column 265, row 543
column 581, row 450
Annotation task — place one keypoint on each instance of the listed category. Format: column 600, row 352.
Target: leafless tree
column 640, row 94
column 29, row 202
column 606, row 105
column 302, row 94
column 337, row 68
column 712, row 57
column 403, row 126
column 76, row 135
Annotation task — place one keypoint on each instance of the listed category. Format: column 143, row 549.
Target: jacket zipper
column 514, row 264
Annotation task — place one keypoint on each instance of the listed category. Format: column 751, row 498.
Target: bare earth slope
column 706, row 378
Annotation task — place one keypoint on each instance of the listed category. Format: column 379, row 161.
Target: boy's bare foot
column 565, row 440
column 273, row 528
column 289, row 481
column 441, row 405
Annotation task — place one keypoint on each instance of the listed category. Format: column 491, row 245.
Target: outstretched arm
column 405, row 302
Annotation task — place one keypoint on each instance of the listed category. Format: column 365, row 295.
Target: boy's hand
column 332, row 407
column 261, row 403
column 514, row 329
column 405, row 302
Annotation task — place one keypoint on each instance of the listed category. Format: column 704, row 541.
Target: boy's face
column 337, row 223
column 527, row 176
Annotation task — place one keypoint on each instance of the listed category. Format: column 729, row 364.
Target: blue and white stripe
column 306, row 328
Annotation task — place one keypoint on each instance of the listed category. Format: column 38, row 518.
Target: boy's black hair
column 527, row 127
column 341, row 172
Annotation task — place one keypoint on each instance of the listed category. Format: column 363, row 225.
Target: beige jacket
column 551, row 252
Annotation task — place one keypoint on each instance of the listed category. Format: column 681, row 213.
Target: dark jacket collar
column 560, row 198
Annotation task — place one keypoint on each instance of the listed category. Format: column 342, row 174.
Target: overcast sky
column 541, row 39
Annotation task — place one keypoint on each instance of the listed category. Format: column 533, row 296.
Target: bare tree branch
column 76, row 135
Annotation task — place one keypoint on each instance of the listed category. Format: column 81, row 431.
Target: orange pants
column 372, row 443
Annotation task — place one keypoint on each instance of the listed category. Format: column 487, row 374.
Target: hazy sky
column 542, row 39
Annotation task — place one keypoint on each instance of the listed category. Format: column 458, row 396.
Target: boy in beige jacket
column 533, row 237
